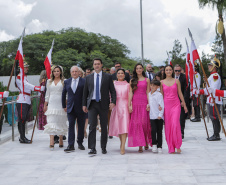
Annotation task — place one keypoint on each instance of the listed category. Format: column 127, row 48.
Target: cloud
column 163, row 21
column 4, row 36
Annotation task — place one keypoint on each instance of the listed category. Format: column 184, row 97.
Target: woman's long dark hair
column 134, row 80
column 164, row 75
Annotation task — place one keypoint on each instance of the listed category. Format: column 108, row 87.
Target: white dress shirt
column 74, row 84
column 147, row 74
column 94, row 90
column 156, row 100
column 177, row 77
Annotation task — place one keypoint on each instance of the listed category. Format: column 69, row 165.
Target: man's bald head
column 149, row 68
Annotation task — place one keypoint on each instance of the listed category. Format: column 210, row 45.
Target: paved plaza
column 201, row 163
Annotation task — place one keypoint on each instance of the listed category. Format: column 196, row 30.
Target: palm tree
column 221, row 7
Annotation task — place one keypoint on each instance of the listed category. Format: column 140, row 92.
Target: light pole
column 141, row 24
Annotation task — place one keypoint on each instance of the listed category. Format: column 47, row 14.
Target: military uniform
column 23, row 105
column 195, row 99
column 215, row 83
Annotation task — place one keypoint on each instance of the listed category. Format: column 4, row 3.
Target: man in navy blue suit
column 73, row 87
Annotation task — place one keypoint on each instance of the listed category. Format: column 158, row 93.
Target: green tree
column 221, row 7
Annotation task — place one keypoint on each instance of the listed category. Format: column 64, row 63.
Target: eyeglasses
column 117, row 66
column 177, row 70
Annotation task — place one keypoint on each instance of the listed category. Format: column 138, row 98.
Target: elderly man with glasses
column 118, row 66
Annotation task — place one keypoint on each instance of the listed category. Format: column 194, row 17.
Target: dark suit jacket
column 183, row 84
column 127, row 77
column 106, row 87
column 74, row 99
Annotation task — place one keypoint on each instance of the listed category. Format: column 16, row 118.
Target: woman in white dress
column 56, row 116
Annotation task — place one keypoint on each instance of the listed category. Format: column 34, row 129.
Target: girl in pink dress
column 139, row 126
column 170, row 87
column 119, row 120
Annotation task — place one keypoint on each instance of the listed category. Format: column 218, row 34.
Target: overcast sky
column 163, row 22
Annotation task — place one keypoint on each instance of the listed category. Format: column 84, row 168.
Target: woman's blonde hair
column 43, row 76
column 61, row 75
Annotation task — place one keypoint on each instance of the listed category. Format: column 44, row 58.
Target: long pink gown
column 119, row 120
column 172, row 109
column 139, row 126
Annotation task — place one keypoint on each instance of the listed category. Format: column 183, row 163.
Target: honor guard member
column 215, row 83
column 195, row 99
column 4, row 94
column 24, row 102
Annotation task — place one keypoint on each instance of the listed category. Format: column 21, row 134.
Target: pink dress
column 139, row 126
column 172, row 109
column 119, row 121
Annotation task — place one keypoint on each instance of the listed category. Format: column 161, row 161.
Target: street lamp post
column 141, row 24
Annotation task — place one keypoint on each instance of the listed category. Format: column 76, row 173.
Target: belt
column 25, row 93
column 96, row 101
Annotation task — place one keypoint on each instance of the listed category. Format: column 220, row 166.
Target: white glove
column 5, row 94
column 197, row 91
column 42, row 88
column 211, row 90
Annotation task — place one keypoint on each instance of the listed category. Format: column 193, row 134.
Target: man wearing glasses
column 182, row 78
column 118, row 66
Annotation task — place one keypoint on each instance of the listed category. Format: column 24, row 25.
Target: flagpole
column 3, row 103
column 203, row 117
column 141, row 24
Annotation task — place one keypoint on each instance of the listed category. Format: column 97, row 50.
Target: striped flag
column 169, row 60
column 19, row 56
column 48, row 61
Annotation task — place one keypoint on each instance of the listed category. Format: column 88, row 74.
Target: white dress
column 56, row 116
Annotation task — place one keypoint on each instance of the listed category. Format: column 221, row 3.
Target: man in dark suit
column 118, row 66
column 149, row 72
column 183, row 83
column 73, row 87
column 96, row 101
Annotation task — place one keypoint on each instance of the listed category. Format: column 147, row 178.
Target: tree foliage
column 73, row 46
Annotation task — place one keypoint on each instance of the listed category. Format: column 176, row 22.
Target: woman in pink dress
column 119, row 120
column 170, row 87
column 139, row 126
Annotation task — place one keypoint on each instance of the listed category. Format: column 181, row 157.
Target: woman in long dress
column 139, row 126
column 119, row 120
column 56, row 116
column 171, row 88
column 41, row 115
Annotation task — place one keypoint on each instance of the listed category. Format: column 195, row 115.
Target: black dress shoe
column 81, row 147
column 196, row 120
column 110, row 137
column 104, row 151
column 92, row 151
column 28, row 140
column 23, row 140
column 214, row 138
column 69, row 149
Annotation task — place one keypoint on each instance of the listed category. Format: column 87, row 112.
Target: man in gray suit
column 96, row 101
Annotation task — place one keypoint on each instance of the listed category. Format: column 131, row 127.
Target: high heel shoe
column 51, row 147
column 61, row 146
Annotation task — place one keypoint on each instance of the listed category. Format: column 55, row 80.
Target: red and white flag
column 169, row 60
column 19, row 56
column 194, row 56
column 48, row 61
column 187, row 63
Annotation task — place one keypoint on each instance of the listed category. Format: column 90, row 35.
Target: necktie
column 97, row 89
column 74, row 86
column 149, row 76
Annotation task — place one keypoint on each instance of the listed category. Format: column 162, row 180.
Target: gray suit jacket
column 106, row 88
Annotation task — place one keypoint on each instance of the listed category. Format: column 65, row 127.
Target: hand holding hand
column 111, row 106
column 84, row 108
column 5, row 94
column 160, row 108
column 130, row 109
column 148, row 108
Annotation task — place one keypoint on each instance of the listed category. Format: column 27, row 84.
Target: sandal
column 146, row 147
column 140, row 150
